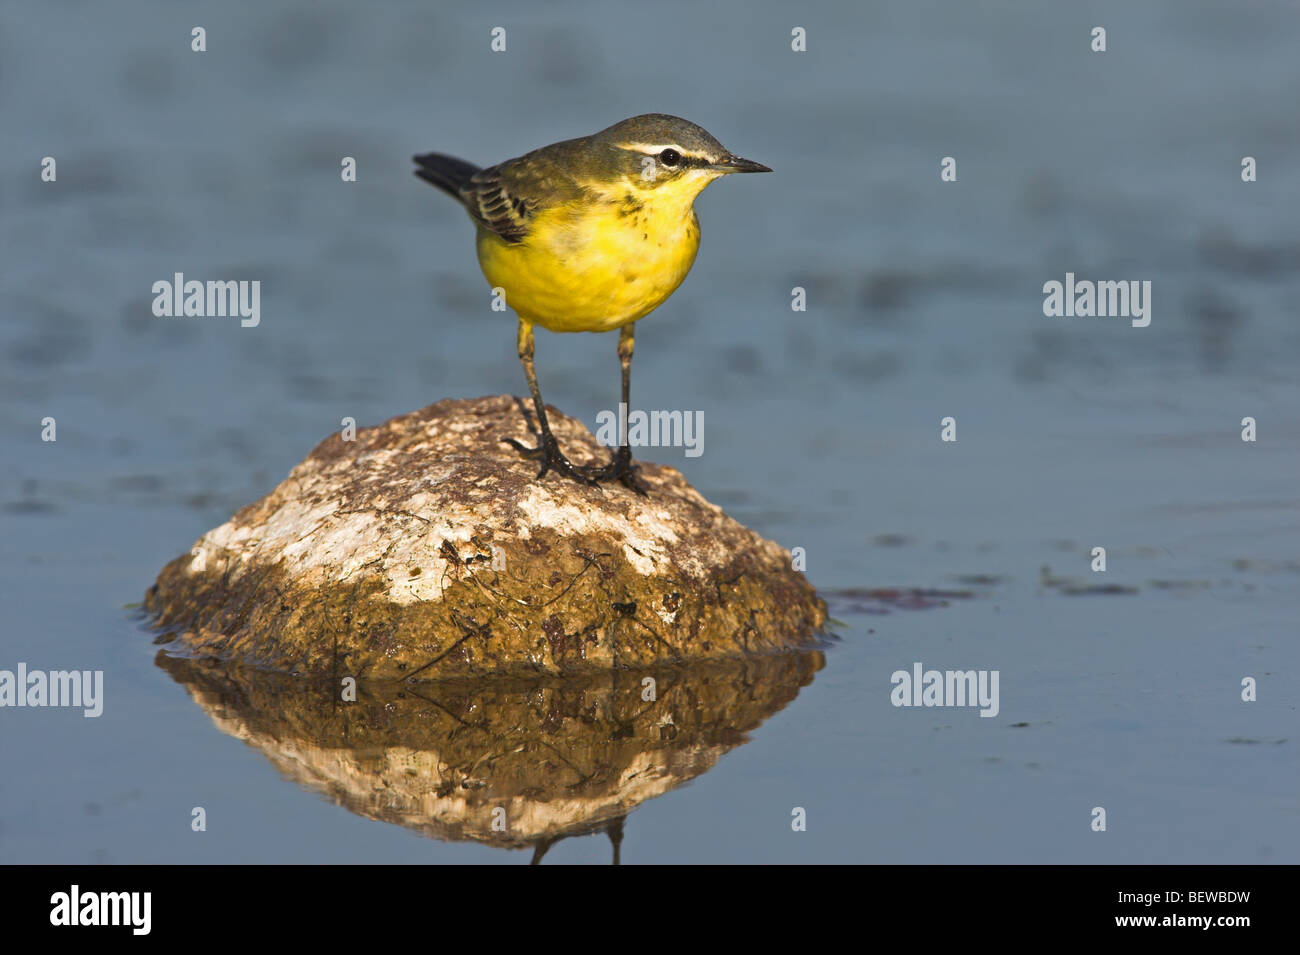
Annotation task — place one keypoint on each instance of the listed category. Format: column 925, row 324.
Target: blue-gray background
column 821, row 427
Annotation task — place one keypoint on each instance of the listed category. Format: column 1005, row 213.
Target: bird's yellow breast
column 596, row 265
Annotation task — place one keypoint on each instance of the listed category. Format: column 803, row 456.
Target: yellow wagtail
column 589, row 235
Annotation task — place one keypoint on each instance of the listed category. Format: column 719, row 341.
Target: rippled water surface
column 1119, row 690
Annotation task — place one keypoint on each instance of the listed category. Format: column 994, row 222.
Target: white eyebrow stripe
column 660, row 147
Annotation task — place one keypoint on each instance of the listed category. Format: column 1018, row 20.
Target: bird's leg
column 621, row 466
column 548, row 449
column 540, row 848
column 614, row 830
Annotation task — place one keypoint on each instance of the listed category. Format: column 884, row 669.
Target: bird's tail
column 446, row 172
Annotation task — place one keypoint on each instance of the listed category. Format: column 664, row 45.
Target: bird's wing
column 505, row 198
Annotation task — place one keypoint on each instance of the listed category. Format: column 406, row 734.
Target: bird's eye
column 670, row 157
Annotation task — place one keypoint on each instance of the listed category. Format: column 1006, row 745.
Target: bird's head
column 666, row 155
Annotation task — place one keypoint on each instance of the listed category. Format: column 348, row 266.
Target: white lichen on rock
column 428, row 546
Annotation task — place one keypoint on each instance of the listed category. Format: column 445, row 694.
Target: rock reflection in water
column 514, row 762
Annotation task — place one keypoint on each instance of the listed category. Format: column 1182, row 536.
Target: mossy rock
column 426, row 547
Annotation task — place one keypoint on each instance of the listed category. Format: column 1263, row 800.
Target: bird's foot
column 622, row 469
column 548, row 452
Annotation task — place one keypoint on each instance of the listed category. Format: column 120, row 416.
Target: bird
column 588, row 235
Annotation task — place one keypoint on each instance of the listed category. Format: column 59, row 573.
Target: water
column 821, row 427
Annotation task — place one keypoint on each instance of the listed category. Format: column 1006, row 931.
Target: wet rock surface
column 427, row 548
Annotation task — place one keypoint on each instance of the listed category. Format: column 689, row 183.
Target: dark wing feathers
column 482, row 191
column 503, row 198
column 490, row 202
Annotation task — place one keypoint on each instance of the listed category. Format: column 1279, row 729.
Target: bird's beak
column 736, row 164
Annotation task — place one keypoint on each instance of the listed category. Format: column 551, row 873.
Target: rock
column 427, row 548
column 512, row 762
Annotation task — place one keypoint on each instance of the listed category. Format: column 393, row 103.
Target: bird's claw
column 548, row 452
column 624, row 470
